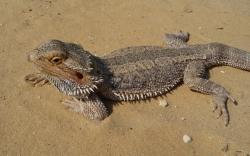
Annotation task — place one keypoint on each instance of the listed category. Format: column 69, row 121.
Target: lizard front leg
column 92, row 108
column 193, row 78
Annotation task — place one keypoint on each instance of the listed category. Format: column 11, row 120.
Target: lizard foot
column 35, row 79
column 219, row 104
column 74, row 105
column 184, row 37
column 176, row 40
column 91, row 108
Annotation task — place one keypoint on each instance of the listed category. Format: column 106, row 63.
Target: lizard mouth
column 77, row 85
column 71, row 87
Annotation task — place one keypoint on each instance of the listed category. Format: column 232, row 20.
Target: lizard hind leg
column 193, row 79
column 176, row 40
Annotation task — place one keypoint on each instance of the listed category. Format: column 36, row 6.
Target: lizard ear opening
column 79, row 75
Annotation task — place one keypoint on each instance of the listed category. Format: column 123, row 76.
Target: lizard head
column 68, row 67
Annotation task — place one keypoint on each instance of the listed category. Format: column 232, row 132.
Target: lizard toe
column 220, row 105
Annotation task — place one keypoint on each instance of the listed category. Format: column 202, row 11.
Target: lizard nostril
column 79, row 75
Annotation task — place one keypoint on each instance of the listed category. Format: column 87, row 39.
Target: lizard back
column 146, row 71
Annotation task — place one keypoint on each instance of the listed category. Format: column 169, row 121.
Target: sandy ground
column 33, row 122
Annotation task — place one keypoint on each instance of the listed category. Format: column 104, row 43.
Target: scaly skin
column 133, row 73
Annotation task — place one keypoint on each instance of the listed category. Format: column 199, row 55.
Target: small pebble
column 222, row 71
column 187, row 138
column 183, row 118
column 163, row 103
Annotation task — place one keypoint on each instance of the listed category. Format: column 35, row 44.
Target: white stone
column 163, row 103
column 187, row 138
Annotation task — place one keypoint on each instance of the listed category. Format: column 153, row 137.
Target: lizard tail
column 230, row 56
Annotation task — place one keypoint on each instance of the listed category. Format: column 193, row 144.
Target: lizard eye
column 56, row 60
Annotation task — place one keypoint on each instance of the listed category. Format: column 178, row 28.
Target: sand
column 34, row 122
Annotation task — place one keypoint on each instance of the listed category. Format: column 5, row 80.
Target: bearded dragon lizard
column 133, row 73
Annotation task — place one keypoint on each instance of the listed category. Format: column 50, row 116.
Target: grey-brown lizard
column 133, row 73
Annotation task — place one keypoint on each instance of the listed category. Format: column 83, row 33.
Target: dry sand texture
column 33, row 122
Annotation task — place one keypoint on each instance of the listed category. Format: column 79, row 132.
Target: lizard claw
column 232, row 99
